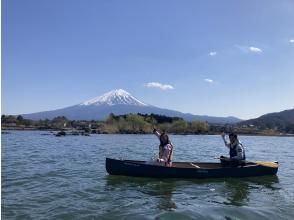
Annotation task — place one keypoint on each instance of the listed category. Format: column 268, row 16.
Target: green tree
column 111, row 119
column 60, row 122
column 137, row 123
column 290, row 128
column 164, row 127
column 122, row 125
column 27, row 122
column 19, row 118
column 179, row 126
column 3, row 118
column 10, row 119
column 199, row 126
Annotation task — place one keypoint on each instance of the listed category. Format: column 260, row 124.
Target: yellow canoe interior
column 267, row 163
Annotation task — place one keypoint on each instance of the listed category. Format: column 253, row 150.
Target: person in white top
column 165, row 148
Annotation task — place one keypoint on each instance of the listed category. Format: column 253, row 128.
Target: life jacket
column 161, row 149
column 233, row 151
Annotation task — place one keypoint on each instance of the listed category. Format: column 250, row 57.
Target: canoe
column 189, row 169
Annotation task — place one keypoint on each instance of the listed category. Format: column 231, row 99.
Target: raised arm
column 225, row 141
column 156, row 133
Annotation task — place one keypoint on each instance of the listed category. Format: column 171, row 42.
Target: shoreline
column 6, row 130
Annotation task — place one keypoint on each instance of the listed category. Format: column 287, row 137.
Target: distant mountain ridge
column 278, row 120
column 119, row 102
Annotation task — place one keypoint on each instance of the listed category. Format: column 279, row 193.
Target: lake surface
column 48, row 177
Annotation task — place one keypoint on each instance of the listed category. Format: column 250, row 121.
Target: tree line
column 138, row 124
column 128, row 123
column 144, row 123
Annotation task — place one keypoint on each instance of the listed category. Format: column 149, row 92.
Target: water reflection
column 239, row 189
column 161, row 190
column 270, row 182
column 237, row 192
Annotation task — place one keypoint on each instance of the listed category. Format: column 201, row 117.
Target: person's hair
column 164, row 140
column 233, row 135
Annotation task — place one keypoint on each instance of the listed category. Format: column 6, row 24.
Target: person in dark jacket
column 237, row 152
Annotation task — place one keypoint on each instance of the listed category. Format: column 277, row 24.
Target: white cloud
column 291, row 41
column 255, row 49
column 247, row 49
column 158, row 85
column 212, row 53
column 209, row 80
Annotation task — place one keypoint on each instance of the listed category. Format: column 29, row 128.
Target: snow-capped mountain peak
column 115, row 97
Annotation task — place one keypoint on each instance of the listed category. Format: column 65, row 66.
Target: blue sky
column 216, row 58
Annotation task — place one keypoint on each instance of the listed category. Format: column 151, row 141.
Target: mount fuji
column 119, row 102
column 114, row 97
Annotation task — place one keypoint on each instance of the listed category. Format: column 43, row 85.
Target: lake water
column 48, row 177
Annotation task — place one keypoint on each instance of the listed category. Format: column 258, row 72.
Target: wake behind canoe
column 188, row 169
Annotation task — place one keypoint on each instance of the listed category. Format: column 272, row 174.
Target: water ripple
column 45, row 177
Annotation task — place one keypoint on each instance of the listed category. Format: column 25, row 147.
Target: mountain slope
column 119, row 102
column 272, row 120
